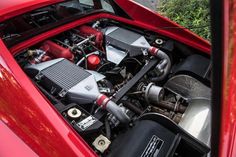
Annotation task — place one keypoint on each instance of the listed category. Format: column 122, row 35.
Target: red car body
column 227, row 146
column 30, row 126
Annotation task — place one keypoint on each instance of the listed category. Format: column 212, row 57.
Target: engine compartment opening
column 115, row 84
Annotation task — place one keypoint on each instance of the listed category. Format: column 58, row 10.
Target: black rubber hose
column 164, row 57
column 132, row 107
column 108, row 129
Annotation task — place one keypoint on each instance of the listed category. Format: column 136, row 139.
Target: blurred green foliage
column 192, row 14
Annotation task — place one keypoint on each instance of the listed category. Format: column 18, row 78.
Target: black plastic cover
column 146, row 139
column 196, row 66
column 154, row 135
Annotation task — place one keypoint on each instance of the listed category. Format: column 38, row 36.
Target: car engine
column 126, row 91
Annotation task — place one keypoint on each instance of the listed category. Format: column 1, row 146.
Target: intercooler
column 65, row 79
column 126, row 40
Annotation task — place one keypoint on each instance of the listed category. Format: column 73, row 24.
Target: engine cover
column 145, row 139
column 156, row 136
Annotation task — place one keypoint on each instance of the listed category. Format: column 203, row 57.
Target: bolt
column 101, row 142
column 74, row 112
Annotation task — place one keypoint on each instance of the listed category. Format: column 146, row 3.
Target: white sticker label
column 153, row 148
column 87, row 122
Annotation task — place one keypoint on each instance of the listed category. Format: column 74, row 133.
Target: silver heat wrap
column 197, row 118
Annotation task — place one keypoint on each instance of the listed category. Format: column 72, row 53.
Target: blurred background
column 192, row 14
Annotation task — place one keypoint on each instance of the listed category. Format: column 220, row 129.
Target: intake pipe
column 113, row 108
column 56, row 50
column 87, row 92
column 164, row 66
column 88, row 31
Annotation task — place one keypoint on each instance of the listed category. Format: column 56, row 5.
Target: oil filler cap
column 93, row 62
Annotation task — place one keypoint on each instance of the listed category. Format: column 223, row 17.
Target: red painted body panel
column 12, row 8
column 189, row 40
column 228, row 111
column 144, row 15
column 14, row 145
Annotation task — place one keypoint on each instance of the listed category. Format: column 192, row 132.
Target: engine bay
column 126, row 91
